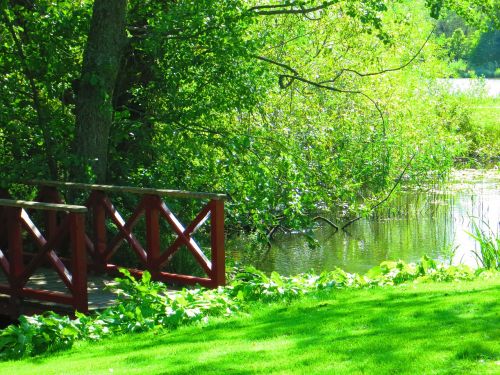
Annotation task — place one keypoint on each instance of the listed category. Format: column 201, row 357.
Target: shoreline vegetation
column 416, row 327
column 144, row 305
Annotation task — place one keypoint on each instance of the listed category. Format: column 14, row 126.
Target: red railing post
column 79, row 262
column 50, row 195
column 4, row 239
column 15, row 244
column 99, row 229
column 217, row 243
column 150, row 256
column 152, row 213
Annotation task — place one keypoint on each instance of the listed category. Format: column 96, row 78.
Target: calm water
column 415, row 223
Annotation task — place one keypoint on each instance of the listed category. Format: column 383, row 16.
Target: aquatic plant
column 488, row 255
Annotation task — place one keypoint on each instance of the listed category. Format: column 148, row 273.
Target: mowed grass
column 437, row 328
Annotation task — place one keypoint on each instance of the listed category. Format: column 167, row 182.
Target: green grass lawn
column 416, row 329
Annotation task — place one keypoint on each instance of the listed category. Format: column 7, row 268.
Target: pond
column 435, row 222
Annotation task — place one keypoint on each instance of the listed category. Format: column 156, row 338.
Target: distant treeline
column 472, row 51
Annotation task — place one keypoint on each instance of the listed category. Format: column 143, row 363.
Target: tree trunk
column 94, row 110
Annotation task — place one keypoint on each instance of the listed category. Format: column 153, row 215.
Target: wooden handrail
column 20, row 228
column 129, row 189
column 88, row 239
column 42, row 206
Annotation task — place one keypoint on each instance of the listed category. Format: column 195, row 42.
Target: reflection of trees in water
column 432, row 222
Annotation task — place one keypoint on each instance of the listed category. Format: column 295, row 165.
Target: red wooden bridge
column 75, row 241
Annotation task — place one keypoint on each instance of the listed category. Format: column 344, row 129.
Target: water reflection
column 416, row 223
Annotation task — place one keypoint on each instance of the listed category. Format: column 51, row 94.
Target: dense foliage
column 289, row 112
column 144, row 305
column 473, row 50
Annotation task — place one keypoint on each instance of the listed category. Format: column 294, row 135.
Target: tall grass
column 488, row 254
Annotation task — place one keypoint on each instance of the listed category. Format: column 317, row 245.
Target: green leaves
column 488, row 254
column 36, row 87
column 435, row 7
column 38, row 334
column 477, row 12
column 194, row 109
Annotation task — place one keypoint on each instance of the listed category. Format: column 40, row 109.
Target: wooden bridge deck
column 46, row 279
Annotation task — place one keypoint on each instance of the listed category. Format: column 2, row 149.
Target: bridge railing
column 155, row 254
column 17, row 229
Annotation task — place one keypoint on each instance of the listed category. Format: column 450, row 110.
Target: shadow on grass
column 373, row 331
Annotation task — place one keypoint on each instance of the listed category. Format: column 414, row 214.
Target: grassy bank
column 434, row 328
column 485, row 126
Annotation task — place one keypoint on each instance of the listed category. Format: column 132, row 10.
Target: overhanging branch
column 288, row 8
column 342, row 71
column 330, row 88
column 285, row 80
column 284, row 66
column 398, row 180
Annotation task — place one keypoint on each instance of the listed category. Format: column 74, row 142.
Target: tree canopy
column 289, row 106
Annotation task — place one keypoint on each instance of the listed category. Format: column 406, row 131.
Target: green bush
column 38, row 334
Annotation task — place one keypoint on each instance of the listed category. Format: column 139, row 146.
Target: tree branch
column 35, row 96
column 387, row 196
column 284, row 66
column 271, row 10
column 383, row 70
column 323, row 84
column 329, row 222
column 330, row 88
column 285, row 80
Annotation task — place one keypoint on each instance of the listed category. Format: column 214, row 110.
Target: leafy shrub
column 249, row 285
column 394, row 273
column 38, row 334
column 145, row 304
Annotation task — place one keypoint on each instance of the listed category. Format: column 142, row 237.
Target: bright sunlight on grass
column 485, row 117
column 435, row 328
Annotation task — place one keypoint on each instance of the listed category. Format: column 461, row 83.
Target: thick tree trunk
column 94, row 110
